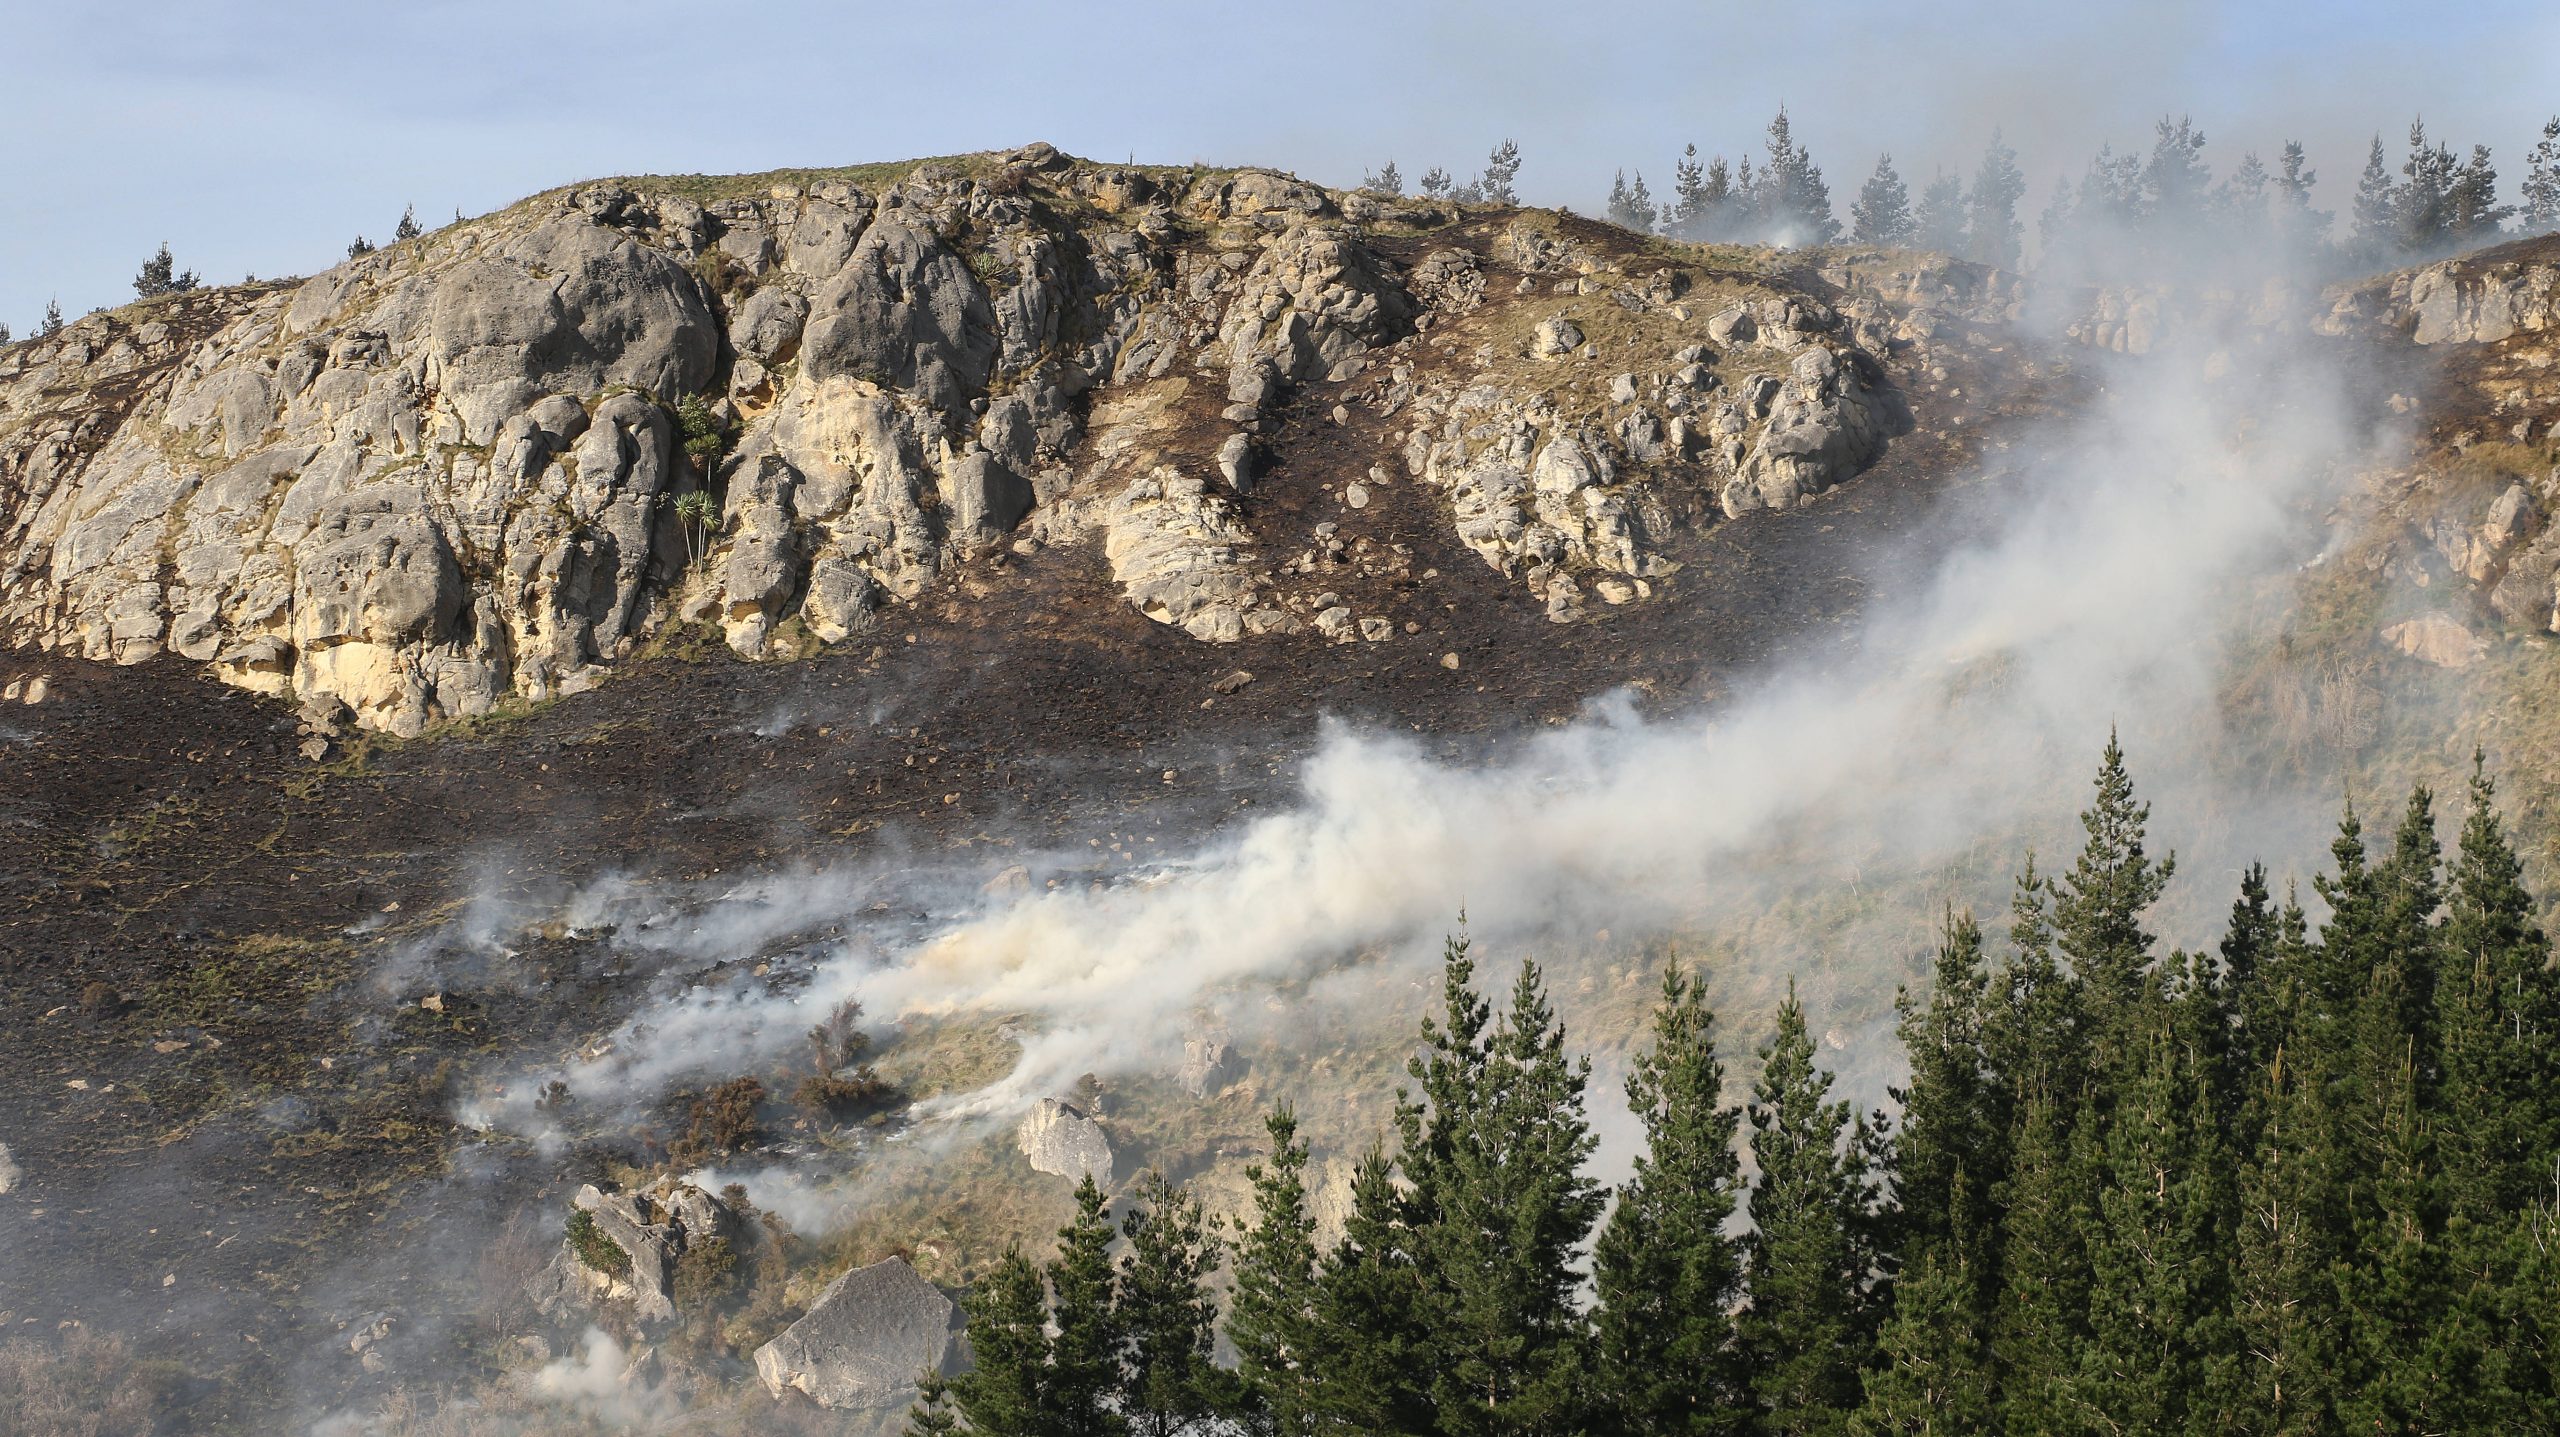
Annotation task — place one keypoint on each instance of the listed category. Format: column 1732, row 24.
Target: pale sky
column 260, row 137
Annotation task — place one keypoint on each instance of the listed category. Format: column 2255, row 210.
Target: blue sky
column 262, row 136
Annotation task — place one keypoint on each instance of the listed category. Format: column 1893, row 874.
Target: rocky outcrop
column 1060, row 1140
column 864, row 1340
column 1210, row 1065
column 652, row 1231
column 472, row 467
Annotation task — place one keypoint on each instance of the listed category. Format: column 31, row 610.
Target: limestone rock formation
column 652, row 1229
column 1060, row 1140
column 863, row 1341
column 461, row 470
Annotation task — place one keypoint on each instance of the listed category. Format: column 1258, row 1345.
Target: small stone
column 1356, row 495
column 1449, row 661
column 1341, row 416
column 1374, row 630
column 433, row 1002
column 1232, row 682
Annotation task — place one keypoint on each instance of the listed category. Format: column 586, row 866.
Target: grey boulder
column 864, row 1341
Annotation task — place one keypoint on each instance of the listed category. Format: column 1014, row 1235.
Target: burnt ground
column 235, row 1141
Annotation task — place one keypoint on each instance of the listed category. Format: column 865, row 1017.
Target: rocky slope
column 452, row 473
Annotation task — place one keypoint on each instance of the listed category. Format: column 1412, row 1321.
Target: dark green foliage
column 1665, row 1272
column 1795, row 1334
column 1166, row 1318
column 1499, row 1207
column 1270, row 1319
column 594, row 1248
column 2301, row 1185
column 1084, row 1345
column 933, row 1414
column 1006, row 1392
column 407, row 229
column 1882, row 211
column 161, row 275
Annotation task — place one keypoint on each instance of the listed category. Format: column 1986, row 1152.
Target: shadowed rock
column 864, row 1341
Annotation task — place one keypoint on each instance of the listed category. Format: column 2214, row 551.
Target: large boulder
column 863, row 1342
column 1060, row 1140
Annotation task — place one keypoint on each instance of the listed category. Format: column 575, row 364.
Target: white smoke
column 2115, row 551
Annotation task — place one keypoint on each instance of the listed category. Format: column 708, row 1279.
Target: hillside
column 381, row 687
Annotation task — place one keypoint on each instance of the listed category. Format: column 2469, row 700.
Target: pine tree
column 1933, row 1378
column 1499, row 1207
column 2099, row 908
column 1368, row 1350
column 1006, row 1392
column 1795, row 1334
column 1949, row 1121
column 2158, row 1352
column 1631, row 206
column 1792, row 202
column 1991, row 208
column 2375, row 224
column 2499, row 1016
column 2246, row 192
column 1938, row 223
column 407, row 229
column 160, row 275
column 1436, row 183
column 2056, row 222
column 1386, row 180
column 51, row 324
column 1501, row 168
column 1689, row 203
column 2297, row 223
column 2472, row 212
column 359, row 247
column 2042, row 1314
column 2500, row 1108
column 2542, row 182
column 2421, row 205
column 1084, row 1348
column 932, row 1416
column 1882, row 214
column 1171, row 1382
column 1664, row 1271
column 2175, row 182
column 1716, row 202
column 1275, row 1286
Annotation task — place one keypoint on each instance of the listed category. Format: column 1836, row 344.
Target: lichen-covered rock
column 1060, row 1140
column 865, row 1339
column 652, row 1230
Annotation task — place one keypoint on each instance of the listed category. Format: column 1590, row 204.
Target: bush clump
column 594, row 1248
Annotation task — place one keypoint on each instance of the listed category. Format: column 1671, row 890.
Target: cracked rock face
column 1060, row 1140
column 451, row 473
column 864, row 1340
